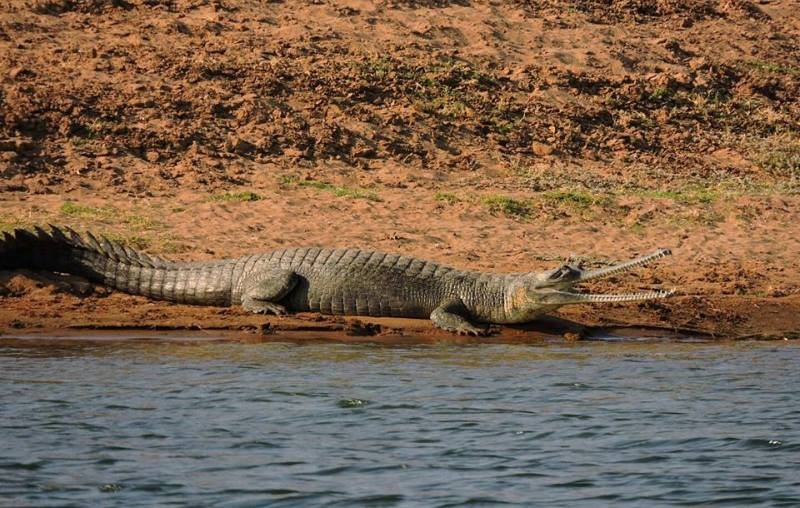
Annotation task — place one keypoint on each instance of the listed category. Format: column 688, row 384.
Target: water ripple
column 345, row 425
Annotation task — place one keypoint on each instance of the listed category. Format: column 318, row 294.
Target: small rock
column 358, row 329
column 698, row 63
column 152, row 156
column 109, row 488
column 239, row 146
column 293, row 152
column 20, row 72
column 541, row 149
column 352, row 403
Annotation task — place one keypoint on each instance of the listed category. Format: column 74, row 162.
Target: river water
column 221, row 424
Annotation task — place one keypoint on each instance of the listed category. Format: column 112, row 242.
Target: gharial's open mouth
column 616, row 269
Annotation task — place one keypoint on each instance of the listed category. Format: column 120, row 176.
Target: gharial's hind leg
column 265, row 288
column 450, row 316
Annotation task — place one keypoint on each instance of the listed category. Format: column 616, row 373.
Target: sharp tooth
column 629, row 297
column 628, row 265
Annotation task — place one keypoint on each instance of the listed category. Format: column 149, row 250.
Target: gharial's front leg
column 264, row 288
column 451, row 316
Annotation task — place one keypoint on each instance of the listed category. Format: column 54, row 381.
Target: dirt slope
column 483, row 134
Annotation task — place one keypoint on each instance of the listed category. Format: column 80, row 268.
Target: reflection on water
column 278, row 424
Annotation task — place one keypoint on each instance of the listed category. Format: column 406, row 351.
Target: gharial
column 330, row 281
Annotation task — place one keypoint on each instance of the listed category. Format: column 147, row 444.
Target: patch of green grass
column 9, row 223
column 141, row 222
column 236, row 197
column 708, row 218
column 317, row 184
column 684, row 196
column 357, row 193
column 771, row 67
column 790, row 187
column 376, row 68
column 448, row 88
column 573, row 198
column 504, row 117
column 508, row 206
column 447, row 197
column 133, row 241
column 541, row 178
column 287, row 180
column 341, row 191
column 779, row 156
column 453, row 73
column 661, row 94
column 172, row 246
column 163, row 244
column 705, row 196
column 134, row 220
column 83, row 212
column 747, row 213
column 449, row 105
column 715, row 96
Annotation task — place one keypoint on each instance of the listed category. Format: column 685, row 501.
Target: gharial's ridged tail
column 61, row 249
column 49, row 250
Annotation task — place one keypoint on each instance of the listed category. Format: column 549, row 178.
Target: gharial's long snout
column 624, row 267
column 577, row 275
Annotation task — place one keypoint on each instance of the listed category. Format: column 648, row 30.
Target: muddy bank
column 498, row 136
column 48, row 306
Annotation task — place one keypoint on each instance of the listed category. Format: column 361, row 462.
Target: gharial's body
column 330, row 281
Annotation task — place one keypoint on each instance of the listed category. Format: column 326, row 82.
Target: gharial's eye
column 564, row 272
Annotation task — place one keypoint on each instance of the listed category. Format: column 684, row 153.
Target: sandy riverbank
column 485, row 135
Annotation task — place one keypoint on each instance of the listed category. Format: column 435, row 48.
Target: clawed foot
column 469, row 329
column 452, row 316
column 261, row 307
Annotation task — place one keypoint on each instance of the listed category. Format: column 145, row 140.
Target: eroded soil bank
column 484, row 135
